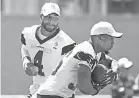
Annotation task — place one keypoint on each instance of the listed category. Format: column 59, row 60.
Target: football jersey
column 47, row 52
column 63, row 80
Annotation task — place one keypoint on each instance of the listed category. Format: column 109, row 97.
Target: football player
column 44, row 45
column 75, row 69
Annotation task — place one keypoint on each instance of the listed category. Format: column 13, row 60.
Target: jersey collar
column 49, row 37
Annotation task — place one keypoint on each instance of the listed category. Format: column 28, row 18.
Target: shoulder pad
column 27, row 32
column 68, row 43
column 86, row 47
column 67, row 39
column 67, row 48
column 30, row 30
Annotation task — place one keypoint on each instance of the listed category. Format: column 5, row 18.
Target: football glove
column 109, row 77
column 100, row 80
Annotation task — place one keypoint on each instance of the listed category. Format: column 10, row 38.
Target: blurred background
column 77, row 18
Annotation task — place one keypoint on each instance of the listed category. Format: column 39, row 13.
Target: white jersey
column 63, row 80
column 47, row 52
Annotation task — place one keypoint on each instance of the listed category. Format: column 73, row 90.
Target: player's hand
column 30, row 68
column 109, row 78
column 97, row 75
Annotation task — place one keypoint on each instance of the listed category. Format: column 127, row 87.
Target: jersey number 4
column 38, row 61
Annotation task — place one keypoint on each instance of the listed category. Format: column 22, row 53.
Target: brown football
column 98, row 73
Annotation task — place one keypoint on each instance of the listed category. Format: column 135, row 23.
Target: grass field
column 79, row 96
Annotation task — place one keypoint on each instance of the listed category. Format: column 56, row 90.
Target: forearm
column 25, row 56
column 84, row 81
column 86, row 87
column 25, row 53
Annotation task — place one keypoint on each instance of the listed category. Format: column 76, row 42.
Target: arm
column 25, row 55
column 24, row 52
column 28, row 66
column 84, row 80
column 112, row 66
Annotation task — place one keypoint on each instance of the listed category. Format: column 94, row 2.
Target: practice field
column 14, row 81
column 79, row 96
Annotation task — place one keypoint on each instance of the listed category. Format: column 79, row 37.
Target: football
column 101, row 69
column 98, row 73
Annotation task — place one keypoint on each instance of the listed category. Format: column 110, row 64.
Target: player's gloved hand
column 109, row 78
column 97, row 77
column 30, row 68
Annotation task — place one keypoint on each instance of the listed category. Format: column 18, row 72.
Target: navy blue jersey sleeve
column 87, row 58
column 67, row 48
column 82, row 56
